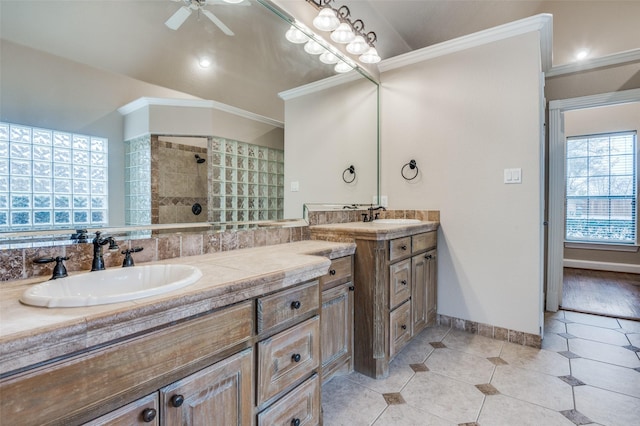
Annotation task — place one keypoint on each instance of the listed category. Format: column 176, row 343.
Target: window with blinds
column 602, row 188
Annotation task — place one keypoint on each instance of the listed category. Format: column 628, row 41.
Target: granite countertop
column 31, row 335
column 371, row 230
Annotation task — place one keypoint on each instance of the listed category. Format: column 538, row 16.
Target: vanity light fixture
column 327, row 20
column 294, row 35
column 312, row 47
column 342, row 67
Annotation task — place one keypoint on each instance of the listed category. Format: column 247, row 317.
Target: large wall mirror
column 72, row 67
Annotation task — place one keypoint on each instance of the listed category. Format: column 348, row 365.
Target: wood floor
column 612, row 294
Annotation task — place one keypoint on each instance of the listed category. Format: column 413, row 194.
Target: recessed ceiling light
column 582, row 54
column 204, row 62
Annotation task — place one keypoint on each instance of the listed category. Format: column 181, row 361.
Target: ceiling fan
column 181, row 15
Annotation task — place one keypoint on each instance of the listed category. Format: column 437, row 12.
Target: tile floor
column 587, row 373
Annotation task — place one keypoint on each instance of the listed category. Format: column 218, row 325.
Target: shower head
column 200, row 160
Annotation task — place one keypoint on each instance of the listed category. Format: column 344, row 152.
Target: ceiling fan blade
column 227, row 2
column 217, row 21
column 178, row 18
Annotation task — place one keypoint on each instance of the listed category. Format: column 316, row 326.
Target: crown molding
column 196, row 103
column 320, row 85
column 541, row 23
column 615, row 59
column 591, row 101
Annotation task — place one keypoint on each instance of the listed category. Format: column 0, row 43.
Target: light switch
column 513, row 175
column 295, row 186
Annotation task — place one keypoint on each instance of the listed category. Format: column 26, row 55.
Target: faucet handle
column 128, row 259
column 59, row 270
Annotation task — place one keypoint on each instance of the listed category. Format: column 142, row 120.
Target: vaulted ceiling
column 129, row 37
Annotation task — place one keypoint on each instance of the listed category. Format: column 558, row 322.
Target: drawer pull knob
column 403, row 326
column 428, row 256
column 295, row 422
column 296, row 357
column 403, row 247
column 403, row 282
column 148, row 415
column 177, row 400
column 352, row 288
column 332, row 272
column 296, row 304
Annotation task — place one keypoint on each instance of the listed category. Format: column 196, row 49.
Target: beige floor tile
column 434, row 334
column 458, row 365
column 607, row 376
column 347, row 403
column 540, row 360
column 399, row 376
column 473, row 344
column 501, row 410
column 417, row 350
column 607, row 408
column 592, row 319
column 444, row 397
column 396, row 415
column 599, row 334
column 531, row 386
column 553, row 342
column 604, row 352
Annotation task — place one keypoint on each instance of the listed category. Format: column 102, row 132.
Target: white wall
column 465, row 117
column 325, row 133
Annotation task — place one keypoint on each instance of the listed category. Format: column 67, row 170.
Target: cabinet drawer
column 399, row 247
column 287, row 305
column 423, row 241
column 302, row 403
column 143, row 411
column 400, row 282
column 287, row 357
column 399, row 328
column 339, row 272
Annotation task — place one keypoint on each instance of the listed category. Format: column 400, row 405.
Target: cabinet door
column 143, row 411
column 300, row 407
column 336, row 330
column 400, row 282
column 432, row 286
column 399, row 328
column 419, row 277
column 217, row 395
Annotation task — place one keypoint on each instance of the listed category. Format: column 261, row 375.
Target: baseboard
column 602, row 266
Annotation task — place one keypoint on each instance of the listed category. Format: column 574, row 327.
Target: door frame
column 557, row 152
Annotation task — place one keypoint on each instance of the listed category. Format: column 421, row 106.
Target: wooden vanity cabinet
column 336, row 318
column 395, row 297
column 144, row 411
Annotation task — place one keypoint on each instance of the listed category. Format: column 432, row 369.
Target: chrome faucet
column 371, row 217
column 98, row 242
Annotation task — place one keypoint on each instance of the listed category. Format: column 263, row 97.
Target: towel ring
column 412, row 165
column 351, row 170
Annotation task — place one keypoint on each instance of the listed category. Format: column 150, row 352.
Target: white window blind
column 601, row 188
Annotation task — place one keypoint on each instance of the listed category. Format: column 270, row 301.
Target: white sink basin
column 396, row 221
column 111, row 286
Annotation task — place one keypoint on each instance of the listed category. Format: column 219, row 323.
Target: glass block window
column 51, row 179
column 247, row 182
column 601, row 188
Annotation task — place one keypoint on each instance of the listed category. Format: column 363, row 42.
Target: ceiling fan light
column 294, row 35
column 329, row 58
column 313, row 48
column 342, row 67
column 326, row 20
column 233, row 1
column 370, row 56
column 343, row 34
column 358, row 46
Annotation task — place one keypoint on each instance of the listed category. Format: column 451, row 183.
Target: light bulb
column 313, row 48
column 204, row 62
column 326, row 20
column 294, row 35
column 370, row 56
column 329, row 58
column 233, row 1
column 582, row 54
column 358, row 46
column 343, row 34
column 342, row 67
